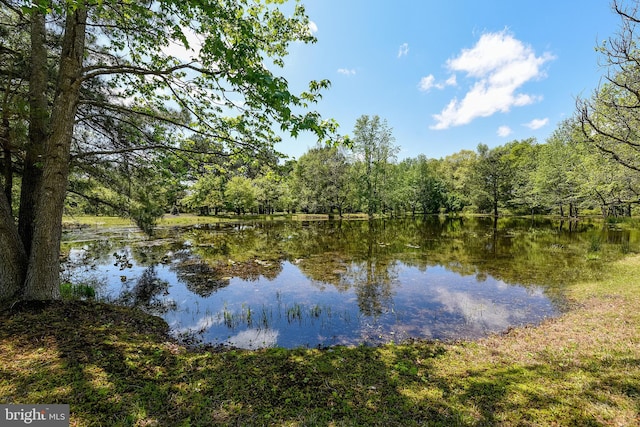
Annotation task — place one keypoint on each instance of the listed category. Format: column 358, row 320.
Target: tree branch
column 148, row 147
column 99, row 70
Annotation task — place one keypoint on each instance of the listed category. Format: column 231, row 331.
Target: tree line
column 566, row 175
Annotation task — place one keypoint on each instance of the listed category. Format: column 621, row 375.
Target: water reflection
column 148, row 292
column 344, row 282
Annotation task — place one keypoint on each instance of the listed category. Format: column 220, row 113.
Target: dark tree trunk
column 8, row 175
column 43, row 274
column 496, row 195
column 14, row 259
column 38, row 120
column 7, row 170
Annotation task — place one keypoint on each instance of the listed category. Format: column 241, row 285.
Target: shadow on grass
column 117, row 366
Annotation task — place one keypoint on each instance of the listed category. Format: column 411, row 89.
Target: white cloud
column 313, row 27
column 347, row 72
column 451, row 81
column 504, row 131
column 426, row 83
column 500, row 64
column 403, row 50
column 537, row 123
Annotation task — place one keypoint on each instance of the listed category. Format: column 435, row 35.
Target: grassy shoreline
column 116, row 366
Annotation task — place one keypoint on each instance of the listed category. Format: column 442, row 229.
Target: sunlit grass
column 166, row 220
column 113, row 221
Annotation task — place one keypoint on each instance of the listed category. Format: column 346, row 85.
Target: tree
column 522, row 157
column 268, row 190
column 407, row 185
column 560, row 173
column 492, row 178
column 431, row 189
column 457, row 172
column 104, row 84
column 373, row 152
column 206, row 195
column 321, row 180
column 610, row 119
column 240, row 194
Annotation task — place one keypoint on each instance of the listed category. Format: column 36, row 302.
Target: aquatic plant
column 77, row 291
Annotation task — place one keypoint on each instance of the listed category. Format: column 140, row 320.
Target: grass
column 113, row 221
column 117, row 367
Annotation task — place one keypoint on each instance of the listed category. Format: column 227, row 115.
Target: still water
column 292, row 283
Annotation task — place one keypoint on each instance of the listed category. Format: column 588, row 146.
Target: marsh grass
column 118, row 367
column 77, row 291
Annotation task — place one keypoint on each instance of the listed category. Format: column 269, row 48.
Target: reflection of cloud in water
column 500, row 284
column 202, row 325
column 255, row 338
column 478, row 312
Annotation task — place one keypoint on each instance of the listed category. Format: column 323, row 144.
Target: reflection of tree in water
column 204, row 277
column 326, row 269
column 148, row 293
column 198, row 276
column 88, row 254
column 373, row 284
column 518, row 250
column 239, row 242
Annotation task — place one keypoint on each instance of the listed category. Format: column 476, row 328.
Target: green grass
column 113, row 221
column 116, row 366
column 166, row 220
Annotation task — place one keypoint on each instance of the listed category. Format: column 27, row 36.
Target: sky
column 447, row 75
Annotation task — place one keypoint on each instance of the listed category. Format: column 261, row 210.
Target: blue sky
column 448, row 75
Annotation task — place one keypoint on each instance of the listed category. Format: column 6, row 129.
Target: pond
column 294, row 283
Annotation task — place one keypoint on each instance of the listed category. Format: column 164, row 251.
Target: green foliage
column 268, row 190
column 321, row 180
column 147, row 81
column 373, row 156
column 240, row 195
column 206, row 195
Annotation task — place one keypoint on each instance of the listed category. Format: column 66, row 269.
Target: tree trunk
column 12, row 254
column 7, row 171
column 496, row 195
column 43, row 271
column 38, row 121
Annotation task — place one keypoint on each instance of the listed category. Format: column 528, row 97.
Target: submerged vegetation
column 117, row 366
